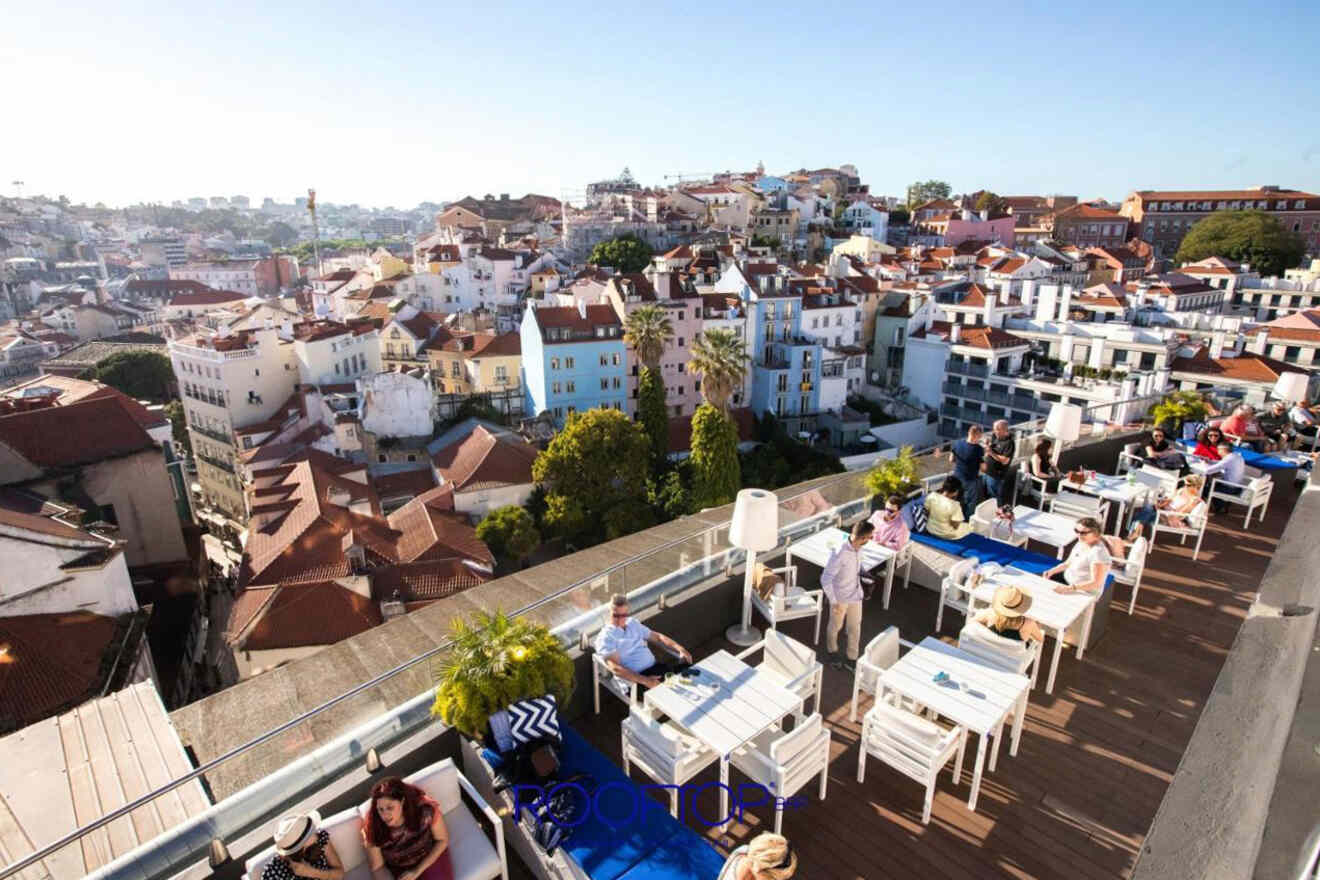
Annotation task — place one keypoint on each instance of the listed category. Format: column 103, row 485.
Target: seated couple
column 627, row 646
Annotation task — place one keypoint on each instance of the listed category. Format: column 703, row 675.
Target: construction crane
column 316, row 231
column 681, row 177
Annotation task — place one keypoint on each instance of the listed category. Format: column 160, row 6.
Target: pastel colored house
column 573, row 359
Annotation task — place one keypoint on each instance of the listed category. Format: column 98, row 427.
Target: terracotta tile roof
column 1010, row 265
column 680, row 428
column 1103, row 296
column 53, row 661
column 208, row 297
column 412, row 483
column 427, row 581
column 81, row 433
column 299, row 615
column 1254, row 195
column 571, row 318
column 1087, row 212
column 1246, row 367
column 21, row 510
column 486, row 460
column 991, row 338
column 430, row 530
column 1300, row 326
column 163, row 288
column 497, row 345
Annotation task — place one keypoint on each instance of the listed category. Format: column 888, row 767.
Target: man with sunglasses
column 626, row 644
column 1087, row 565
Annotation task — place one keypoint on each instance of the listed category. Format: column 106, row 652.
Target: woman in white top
column 767, row 857
column 1087, row 566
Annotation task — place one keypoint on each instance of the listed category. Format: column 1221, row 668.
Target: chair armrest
column 494, row 818
column 1221, row 481
column 750, row 650
column 815, row 667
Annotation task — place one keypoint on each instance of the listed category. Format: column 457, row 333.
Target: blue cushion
column 990, row 550
column 678, row 857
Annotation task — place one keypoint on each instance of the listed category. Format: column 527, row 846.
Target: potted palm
column 893, row 476
column 1177, row 408
column 493, row 662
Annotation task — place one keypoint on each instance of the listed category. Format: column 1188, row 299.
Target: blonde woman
column 1183, row 502
column 767, row 857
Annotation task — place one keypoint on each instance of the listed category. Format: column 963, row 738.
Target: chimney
column 991, row 301
column 1045, row 304
column 663, row 282
column 393, row 607
column 1261, row 343
column 1065, row 302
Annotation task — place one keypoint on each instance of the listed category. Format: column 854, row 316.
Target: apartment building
column 1164, row 217
column 1293, row 339
column 681, row 303
column 573, row 359
column 1175, row 292
column 248, row 277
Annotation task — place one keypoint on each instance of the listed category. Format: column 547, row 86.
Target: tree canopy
column 178, row 424
column 627, row 253
column 926, row 190
column 1245, row 236
column 139, row 374
column 716, row 476
column 991, row 202
column 719, row 357
column 509, row 532
column 648, row 330
column 654, row 413
column 599, row 460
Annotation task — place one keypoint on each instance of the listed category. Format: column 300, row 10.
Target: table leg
column 1054, row 663
column 889, row 579
column 994, row 749
column 977, row 769
column 724, row 790
column 1088, row 615
column 1018, row 720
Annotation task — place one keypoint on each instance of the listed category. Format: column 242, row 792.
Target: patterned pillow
column 914, row 514
column 534, row 719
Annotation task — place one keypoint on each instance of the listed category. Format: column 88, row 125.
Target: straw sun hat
column 292, row 833
column 1009, row 601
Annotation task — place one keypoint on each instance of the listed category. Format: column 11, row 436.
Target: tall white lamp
column 1291, row 387
column 754, row 528
column 1064, row 424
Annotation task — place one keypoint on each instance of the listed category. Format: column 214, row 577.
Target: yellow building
column 476, row 363
column 386, row 265
column 865, row 248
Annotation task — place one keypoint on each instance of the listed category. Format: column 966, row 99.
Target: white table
column 1054, row 529
column 728, row 705
column 818, row 549
column 1055, row 612
column 982, row 707
column 1110, row 488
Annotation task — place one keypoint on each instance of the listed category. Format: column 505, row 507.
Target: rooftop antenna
column 316, row 231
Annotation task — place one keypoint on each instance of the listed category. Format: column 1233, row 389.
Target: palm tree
column 719, row 357
column 648, row 330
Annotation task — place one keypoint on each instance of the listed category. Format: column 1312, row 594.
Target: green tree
column 719, row 357
column 1245, row 236
column 899, row 217
column 600, row 459
column 139, row 374
column 925, row 190
column 648, row 330
column 669, row 493
column 770, row 241
column 279, row 234
column 627, row 253
column 178, row 425
column 654, row 413
column 509, row 532
column 991, row 202
column 716, row 473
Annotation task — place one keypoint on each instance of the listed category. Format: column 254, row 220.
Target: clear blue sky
column 395, row 103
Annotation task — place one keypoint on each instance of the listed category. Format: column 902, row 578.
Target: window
column 381, row 458
column 559, row 412
column 682, row 368
column 1292, row 353
column 681, row 342
column 554, row 363
column 555, row 388
column 604, row 384
column 571, row 387
column 617, row 383
column 614, row 359
column 568, row 363
column 455, row 370
column 603, row 361
column 571, row 410
column 1120, row 356
column 412, row 457
column 107, row 514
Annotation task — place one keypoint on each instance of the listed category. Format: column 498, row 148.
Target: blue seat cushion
column 989, row 550
column 678, row 858
column 1261, row 461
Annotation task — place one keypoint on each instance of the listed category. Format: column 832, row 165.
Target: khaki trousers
column 851, row 614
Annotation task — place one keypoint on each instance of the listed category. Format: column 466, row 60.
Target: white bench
column 471, row 853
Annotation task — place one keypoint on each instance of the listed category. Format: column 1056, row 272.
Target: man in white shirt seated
column 1233, row 470
column 626, row 645
column 1302, row 420
column 1087, row 566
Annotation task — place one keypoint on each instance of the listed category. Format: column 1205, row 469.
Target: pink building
column 959, row 226
column 679, row 298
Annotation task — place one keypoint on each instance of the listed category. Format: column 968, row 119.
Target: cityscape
column 301, row 495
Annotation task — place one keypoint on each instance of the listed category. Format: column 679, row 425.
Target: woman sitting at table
column 1183, row 502
column 1042, row 465
column 944, row 514
column 1087, row 565
column 1006, row 616
column 1207, row 445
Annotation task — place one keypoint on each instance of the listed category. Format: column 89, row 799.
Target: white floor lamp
column 754, row 528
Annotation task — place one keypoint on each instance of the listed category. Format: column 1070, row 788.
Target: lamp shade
column 1064, row 422
column 755, row 523
column 1291, row 387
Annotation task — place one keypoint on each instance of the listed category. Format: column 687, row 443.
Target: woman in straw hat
column 1007, row 616
column 303, row 850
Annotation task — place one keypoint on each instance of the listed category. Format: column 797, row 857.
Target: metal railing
column 963, row 368
column 711, row 555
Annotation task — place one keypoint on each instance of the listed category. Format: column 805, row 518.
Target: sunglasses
column 619, row 615
column 890, row 511
column 1080, row 532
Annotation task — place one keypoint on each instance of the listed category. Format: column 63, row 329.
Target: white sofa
column 472, row 854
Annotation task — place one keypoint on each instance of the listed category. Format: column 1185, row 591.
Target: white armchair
column 662, row 752
column 1129, row 570
column 790, row 602
column 912, row 745
column 793, row 662
column 1130, row 458
column 1031, row 485
column 785, row 762
column 1255, row 493
column 879, row 654
column 1078, row 504
column 1192, row 525
column 952, row 591
column 984, row 516
column 603, row 677
column 1012, row 655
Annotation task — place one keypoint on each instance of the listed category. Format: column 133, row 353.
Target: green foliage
column 648, row 330
column 991, row 202
column 654, row 414
column 278, row 234
column 1179, row 407
column 874, row 411
column 510, row 533
column 627, row 253
column 477, row 406
column 769, row 241
column 1245, row 236
column 765, row 468
column 925, row 190
column 716, row 474
column 178, row 424
column 496, row 661
column 719, row 357
column 600, row 459
column 782, row 460
column 900, row 216
column 139, row 374
column 893, row 476
column 627, row 517
column 669, row 494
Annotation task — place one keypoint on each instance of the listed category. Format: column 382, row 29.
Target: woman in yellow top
column 944, row 516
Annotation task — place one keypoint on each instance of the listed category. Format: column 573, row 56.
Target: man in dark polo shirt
column 999, row 449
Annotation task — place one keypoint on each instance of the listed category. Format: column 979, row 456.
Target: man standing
column 841, row 581
column 968, row 456
column 999, row 450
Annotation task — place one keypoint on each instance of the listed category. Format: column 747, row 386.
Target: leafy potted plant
column 495, row 661
column 1177, row 408
column 893, row 476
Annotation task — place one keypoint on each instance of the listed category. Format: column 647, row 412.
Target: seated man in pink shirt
column 890, row 530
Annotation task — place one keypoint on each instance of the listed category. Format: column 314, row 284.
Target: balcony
column 227, row 439
column 1098, row 755
column 966, row 368
column 954, row 388
column 974, row 392
column 216, row 462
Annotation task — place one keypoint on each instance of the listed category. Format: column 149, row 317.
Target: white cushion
column 470, row 850
column 787, row 655
column 345, row 830
column 440, row 781
column 1136, row 558
column 910, row 726
column 659, row 737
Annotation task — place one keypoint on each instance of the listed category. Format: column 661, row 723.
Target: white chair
column 790, row 602
column 952, row 592
column 1130, row 569
column 1031, row 485
column 1252, row 494
column 1130, row 458
column 1193, row 525
column 793, row 662
column 879, row 654
column 663, row 752
column 1078, row 505
column 903, row 560
column 785, row 762
column 603, row 676
column 912, row 745
column 1169, row 481
column 984, row 516
column 1012, row 655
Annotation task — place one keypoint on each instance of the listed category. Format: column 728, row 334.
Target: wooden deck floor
column 1095, row 756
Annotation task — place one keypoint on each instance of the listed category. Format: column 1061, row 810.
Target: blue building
column 785, row 364
column 573, row 359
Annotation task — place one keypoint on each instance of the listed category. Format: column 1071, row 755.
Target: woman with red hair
column 405, row 834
